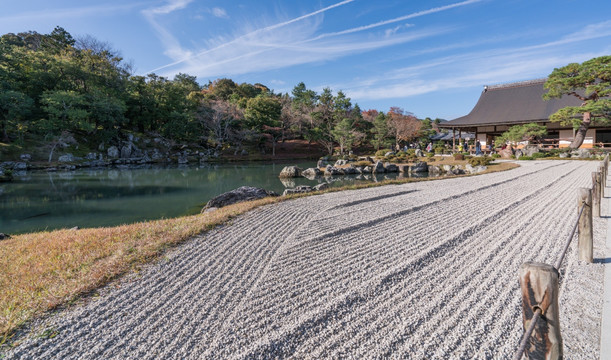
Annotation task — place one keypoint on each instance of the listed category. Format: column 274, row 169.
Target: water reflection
column 105, row 197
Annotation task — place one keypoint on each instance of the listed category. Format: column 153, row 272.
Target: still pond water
column 40, row 200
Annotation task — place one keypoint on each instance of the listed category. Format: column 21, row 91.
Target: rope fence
column 539, row 282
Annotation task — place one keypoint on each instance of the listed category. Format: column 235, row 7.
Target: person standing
column 478, row 148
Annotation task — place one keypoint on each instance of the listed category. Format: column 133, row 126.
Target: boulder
column 113, row 152
column 518, row 153
column 367, row 170
column 311, row 172
column 20, row 166
column 434, row 170
column 244, row 153
column 91, row 156
column 419, row 167
column 391, row 168
column 290, row 172
column 447, row 168
column 350, row 171
column 321, row 187
column 404, row 168
column 419, row 153
column 506, row 153
column 25, row 157
column 244, row 193
column 332, row 171
column 341, row 163
column 379, row 168
column 66, row 158
column 126, row 151
column 4, row 236
column 390, row 153
column 563, row 155
column 529, row 150
column 583, row 153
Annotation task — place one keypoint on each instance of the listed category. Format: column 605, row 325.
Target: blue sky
column 431, row 58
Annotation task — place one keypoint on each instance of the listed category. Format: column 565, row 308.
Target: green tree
column 66, row 110
column 14, row 106
column 519, row 133
column 263, row 114
column 590, row 82
column 344, row 134
column 380, row 131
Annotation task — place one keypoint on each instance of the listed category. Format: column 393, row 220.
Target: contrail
column 271, row 27
column 386, row 22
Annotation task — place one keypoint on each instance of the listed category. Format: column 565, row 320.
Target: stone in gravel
column 379, row 167
column 290, row 172
column 297, row 190
column 244, row 193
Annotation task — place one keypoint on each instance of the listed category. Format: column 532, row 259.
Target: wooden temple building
column 502, row 106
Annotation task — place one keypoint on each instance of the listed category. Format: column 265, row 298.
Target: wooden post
column 539, row 286
column 453, row 140
column 585, row 240
column 601, row 170
column 596, row 176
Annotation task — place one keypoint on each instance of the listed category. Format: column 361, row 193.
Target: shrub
column 439, row 149
column 411, row 152
column 362, row 163
column 496, row 156
column 538, row 155
column 479, row 161
column 525, row 158
column 382, row 152
column 459, row 156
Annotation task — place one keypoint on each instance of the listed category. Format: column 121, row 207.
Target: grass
column 44, row 270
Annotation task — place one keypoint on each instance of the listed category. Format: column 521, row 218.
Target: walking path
column 424, row 270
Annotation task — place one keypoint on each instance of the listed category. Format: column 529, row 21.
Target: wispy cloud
column 250, row 35
column 264, row 48
column 219, row 12
column 172, row 45
column 398, row 19
column 67, row 13
column 478, row 68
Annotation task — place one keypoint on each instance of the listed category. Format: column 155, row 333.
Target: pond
column 40, row 200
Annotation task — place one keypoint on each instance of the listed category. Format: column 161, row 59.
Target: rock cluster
column 305, row 189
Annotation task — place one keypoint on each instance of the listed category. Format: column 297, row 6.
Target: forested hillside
column 55, row 84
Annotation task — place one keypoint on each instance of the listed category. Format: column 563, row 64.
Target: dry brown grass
column 40, row 271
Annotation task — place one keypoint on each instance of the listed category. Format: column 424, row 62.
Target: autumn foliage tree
column 403, row 126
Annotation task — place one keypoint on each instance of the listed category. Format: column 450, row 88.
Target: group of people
column 462, row 147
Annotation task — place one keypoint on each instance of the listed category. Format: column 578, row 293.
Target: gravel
column 424, row 270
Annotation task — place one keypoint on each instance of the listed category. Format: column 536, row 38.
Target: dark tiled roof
column 514, row 103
